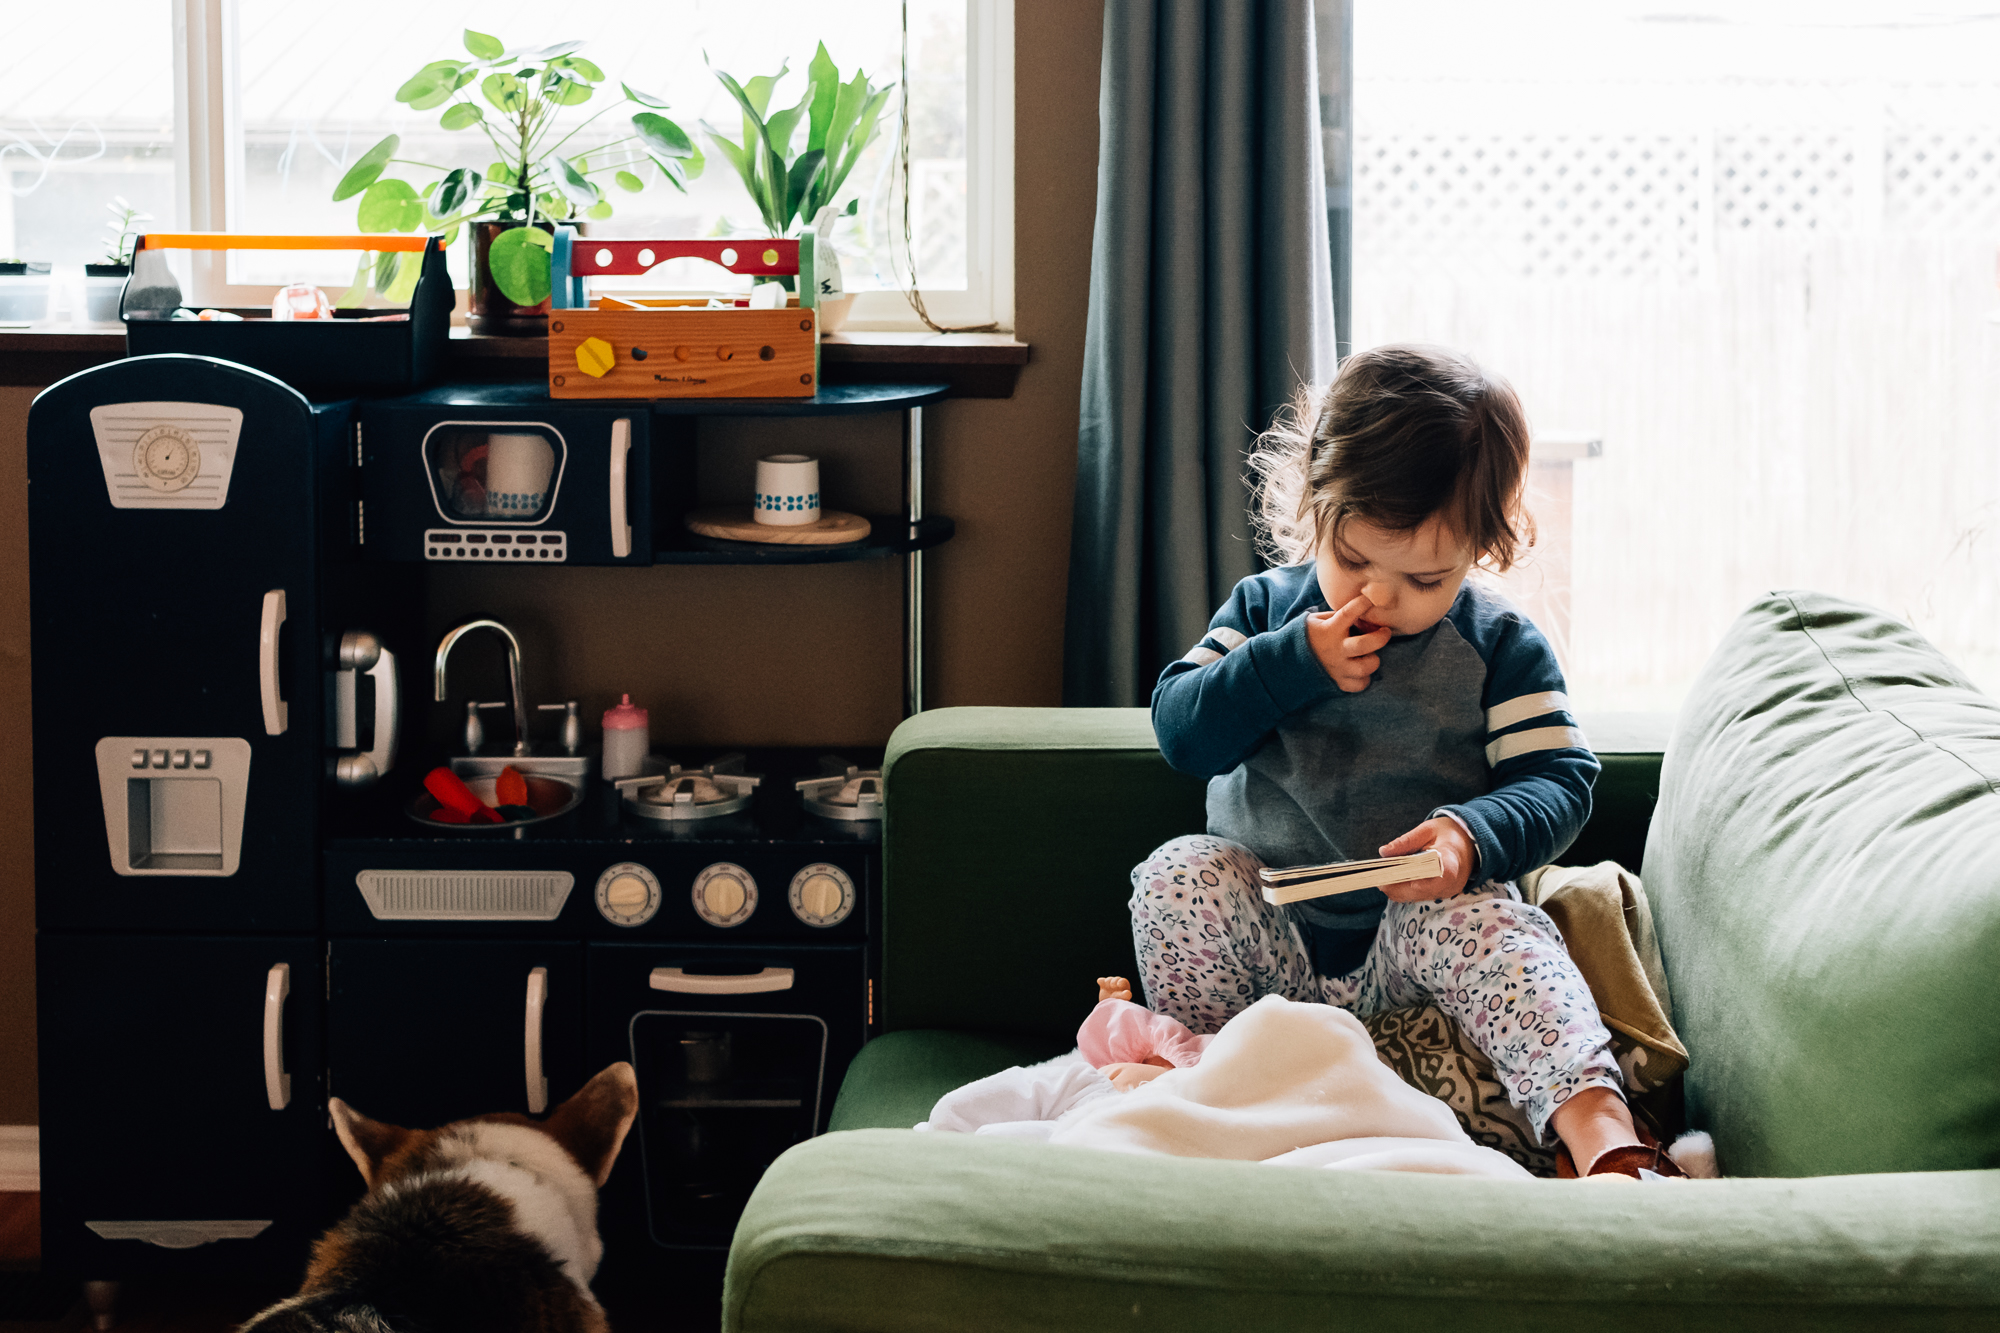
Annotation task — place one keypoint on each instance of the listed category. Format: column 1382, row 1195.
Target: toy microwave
column 614, row 347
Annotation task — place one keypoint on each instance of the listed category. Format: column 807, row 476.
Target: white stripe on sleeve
column 1201, row 656
column 1229, row 639
column 1518, row 743
column 1522, row 707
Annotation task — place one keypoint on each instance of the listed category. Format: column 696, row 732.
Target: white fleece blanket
column 1283, row 1083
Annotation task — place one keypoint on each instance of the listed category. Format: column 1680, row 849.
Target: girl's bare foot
column 1113, row 988
column 1592, row 1123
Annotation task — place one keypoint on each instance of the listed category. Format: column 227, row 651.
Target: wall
column 809, row 656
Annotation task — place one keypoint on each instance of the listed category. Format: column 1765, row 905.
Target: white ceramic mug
column 787, row 490
column 517, row 475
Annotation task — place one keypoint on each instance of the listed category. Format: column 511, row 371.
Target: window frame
column 208, row 135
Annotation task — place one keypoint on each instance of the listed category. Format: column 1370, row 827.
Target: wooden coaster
column 737, row 524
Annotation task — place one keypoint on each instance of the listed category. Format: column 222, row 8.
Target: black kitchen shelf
column 832, row 400
column 887, row 536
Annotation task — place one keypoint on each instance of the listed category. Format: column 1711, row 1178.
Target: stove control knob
column 725, row 894
column 822, row 895
column 628, row 894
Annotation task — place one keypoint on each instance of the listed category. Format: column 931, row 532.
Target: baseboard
column 20, row 1158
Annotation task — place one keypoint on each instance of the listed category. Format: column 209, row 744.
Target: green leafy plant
column 519, row 95
column 840, row 121
column 118, row 246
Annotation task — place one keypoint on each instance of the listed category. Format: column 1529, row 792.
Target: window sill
column 976, row 365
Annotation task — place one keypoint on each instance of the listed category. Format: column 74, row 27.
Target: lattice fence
column 1656, row 206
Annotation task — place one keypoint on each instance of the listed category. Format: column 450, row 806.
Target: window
column 278, row 99
column 1739, row 261
column 87, row 115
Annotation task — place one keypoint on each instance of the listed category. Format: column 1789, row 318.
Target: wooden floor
column 30, row 1303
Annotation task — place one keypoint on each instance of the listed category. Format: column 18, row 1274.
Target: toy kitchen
column 258, row 884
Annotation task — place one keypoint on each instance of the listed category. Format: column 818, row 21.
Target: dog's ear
column 592, row 1124
column 368, row 1142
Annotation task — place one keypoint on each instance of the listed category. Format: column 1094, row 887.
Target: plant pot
column 103, row 287
column 488, row 309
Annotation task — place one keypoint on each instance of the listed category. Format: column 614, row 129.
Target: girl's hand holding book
column 1346, row 644
column 1455, row 850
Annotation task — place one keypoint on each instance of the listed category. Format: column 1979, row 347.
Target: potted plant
column 511, row 207
column 840, row 121
column 104, row 283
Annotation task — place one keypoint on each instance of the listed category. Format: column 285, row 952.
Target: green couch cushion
column 1009, row 845
column 1006, row 860
column 891, row 1230
column 1824, row 867
column 898, row 1077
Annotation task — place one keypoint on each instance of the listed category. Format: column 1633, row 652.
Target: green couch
column 1825, row 878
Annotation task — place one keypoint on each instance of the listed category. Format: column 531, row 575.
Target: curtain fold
column 1210, row 299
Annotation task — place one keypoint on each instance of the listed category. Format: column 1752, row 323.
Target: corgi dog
column 486, row 1225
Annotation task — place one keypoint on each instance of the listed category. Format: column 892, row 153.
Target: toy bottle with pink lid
column 625, row 740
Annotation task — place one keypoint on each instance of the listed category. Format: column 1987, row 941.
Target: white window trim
column 208, row 134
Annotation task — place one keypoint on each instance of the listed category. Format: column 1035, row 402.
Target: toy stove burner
column 843, row 791
column 682, row 796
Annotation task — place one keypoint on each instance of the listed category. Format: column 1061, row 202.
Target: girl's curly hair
column 1404, row 432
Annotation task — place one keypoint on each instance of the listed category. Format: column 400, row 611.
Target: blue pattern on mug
column 787, row 504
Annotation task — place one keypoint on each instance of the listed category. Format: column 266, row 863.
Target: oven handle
column 746, row 983
column 621, row 527
column 538, row 998
column 277, row 1083
column 277, row 715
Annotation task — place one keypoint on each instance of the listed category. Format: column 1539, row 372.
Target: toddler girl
column 1364, row 698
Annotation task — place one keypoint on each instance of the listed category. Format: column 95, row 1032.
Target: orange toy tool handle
column 229, row 240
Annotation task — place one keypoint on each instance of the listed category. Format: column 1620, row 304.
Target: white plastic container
column 100, row 300
column 626, row 741
column 25, row 296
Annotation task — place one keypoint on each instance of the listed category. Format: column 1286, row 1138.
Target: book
column 1302, row 882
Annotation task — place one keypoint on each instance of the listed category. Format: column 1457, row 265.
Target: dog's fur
column 486, row 1225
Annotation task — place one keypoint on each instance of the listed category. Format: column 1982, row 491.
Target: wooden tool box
column 611, row 347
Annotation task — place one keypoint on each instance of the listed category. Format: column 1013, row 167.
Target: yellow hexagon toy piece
column 595, row 358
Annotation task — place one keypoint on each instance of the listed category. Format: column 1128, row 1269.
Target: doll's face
column 1409, row 578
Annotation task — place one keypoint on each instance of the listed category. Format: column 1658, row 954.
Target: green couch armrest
column 872, row 1230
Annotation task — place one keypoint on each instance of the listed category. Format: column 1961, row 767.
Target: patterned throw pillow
column 1432, row 1053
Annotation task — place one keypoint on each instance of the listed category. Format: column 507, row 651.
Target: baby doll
column 1122, row 1045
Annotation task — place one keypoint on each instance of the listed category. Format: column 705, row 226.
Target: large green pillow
column 1824, row 866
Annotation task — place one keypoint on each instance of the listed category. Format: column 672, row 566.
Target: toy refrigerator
column 198, row 692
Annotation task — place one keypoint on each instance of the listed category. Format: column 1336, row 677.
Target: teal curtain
column 1211, row 297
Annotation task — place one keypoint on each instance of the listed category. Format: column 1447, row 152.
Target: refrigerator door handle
column 621, row 527
column 277, row 1083
column 538, row 998
column 277, row 714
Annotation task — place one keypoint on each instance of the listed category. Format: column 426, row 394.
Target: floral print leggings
column 1209, row 946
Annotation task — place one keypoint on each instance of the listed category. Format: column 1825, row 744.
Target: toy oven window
column 491, row 472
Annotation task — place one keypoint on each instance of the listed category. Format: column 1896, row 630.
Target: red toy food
column 455, row 795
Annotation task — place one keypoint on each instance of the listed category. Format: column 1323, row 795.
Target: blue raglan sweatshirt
column 1469, row 718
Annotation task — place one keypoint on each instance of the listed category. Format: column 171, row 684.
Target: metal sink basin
column 575, row 768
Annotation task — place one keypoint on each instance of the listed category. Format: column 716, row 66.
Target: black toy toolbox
column 359, row 349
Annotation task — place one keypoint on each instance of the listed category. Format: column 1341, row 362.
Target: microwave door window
column 504, row 473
